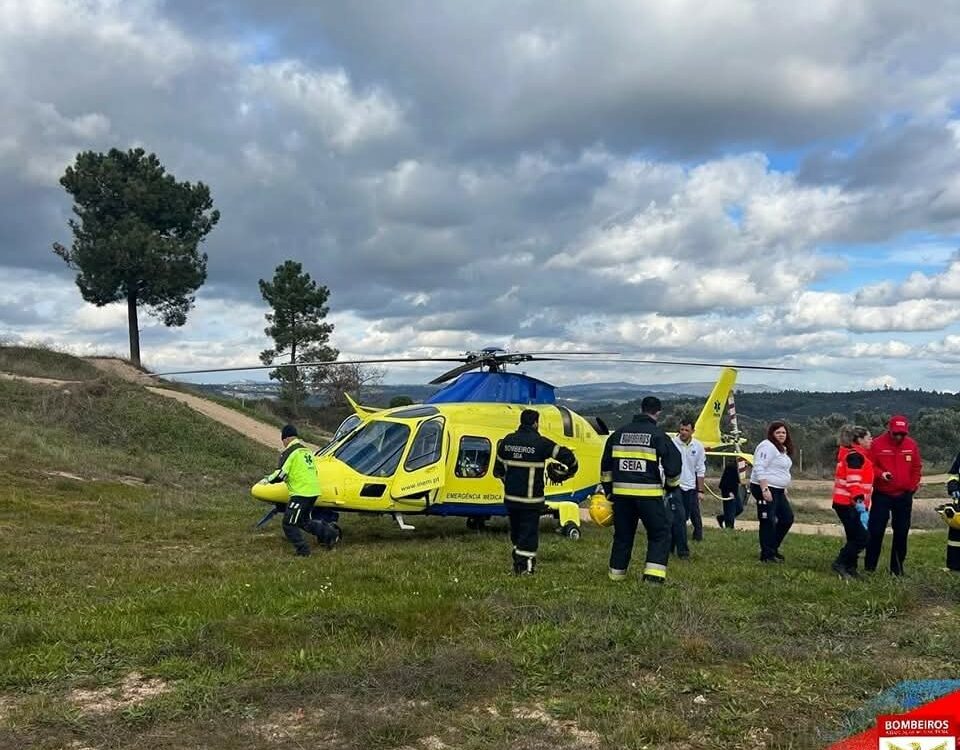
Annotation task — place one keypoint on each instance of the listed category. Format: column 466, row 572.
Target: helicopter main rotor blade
column 563, row 353
column 312, row 364
column 698, row 364
column 459, row 370
column 514, row 358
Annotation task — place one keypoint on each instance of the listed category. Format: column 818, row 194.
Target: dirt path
column 809, row 529
column 122, row 369
column 261, row 432
column 254, row 429
column 815, row 529
column 825, row 486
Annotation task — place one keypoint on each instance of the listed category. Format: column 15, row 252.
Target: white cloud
column 882, row 381
column 529, row 175
column 327, row 100
column 888, row 349
column 918, row 286
column 818, row 310
column 106, row 318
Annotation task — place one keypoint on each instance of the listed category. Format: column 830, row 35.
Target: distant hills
column 571, row 395
column 797, row 407
column 616, row 402
column 594, row 393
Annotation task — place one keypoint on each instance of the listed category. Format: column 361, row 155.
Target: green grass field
column 139, row 609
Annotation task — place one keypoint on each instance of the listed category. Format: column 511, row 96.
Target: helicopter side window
column 426, row 445
column 375, row 449
column 474, row 457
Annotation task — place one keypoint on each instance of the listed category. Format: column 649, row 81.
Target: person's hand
column 766, row 494
column 955, row 495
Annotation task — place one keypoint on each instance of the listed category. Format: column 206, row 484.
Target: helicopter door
column 421, row 475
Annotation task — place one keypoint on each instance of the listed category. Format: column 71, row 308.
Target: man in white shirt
column 691, row 489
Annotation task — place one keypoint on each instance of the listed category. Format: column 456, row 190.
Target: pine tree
column 136, row 235
column 297, row 327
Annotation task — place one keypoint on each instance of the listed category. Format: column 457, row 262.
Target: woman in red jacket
column 852, row 492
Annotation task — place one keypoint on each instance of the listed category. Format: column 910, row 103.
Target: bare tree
column 333, row 381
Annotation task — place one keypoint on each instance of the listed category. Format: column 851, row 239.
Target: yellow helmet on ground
column 601, row 509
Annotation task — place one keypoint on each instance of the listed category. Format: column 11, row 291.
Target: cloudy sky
column 737, row 180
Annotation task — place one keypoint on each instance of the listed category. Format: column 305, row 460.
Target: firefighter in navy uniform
column 633, row 458
column 520, row 463
column 297, row 470
column 950, row 513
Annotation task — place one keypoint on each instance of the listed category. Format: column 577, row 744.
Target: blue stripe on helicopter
column 466, row 509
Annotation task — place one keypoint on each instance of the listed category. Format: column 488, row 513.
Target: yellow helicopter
column 436, row 458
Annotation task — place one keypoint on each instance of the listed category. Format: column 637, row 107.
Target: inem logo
column 717, row 408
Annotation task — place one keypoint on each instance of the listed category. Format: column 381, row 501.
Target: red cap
column 899, row 423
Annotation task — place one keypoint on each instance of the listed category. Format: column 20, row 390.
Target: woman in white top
column 768, row 484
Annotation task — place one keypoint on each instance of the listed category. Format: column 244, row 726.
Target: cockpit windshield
column 375, row 449
column 347, row 425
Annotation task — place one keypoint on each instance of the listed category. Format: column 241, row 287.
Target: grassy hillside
column 44, row 363
column 139, row 609
column 107, row 428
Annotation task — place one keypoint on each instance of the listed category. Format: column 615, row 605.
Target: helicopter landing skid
column 274, row 511
column 398, row 517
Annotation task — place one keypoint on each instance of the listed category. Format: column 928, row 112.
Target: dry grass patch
column 133, row 690
column 7, row 705
column 568, row 734
column 283, row 727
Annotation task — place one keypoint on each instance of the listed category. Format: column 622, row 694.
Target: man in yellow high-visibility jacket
column 297, row 469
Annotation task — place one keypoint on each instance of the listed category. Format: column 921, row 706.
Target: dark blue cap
column 288, row 431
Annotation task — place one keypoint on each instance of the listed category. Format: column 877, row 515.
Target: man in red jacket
column 896, row 459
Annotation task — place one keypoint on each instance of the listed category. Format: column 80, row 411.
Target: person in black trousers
column 897, row 472
column 852, row 493
column 638, row 463
column 521, row 462
column 731, row 494
column 768, row 484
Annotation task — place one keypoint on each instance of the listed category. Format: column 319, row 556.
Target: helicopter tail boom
column 707, row 428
